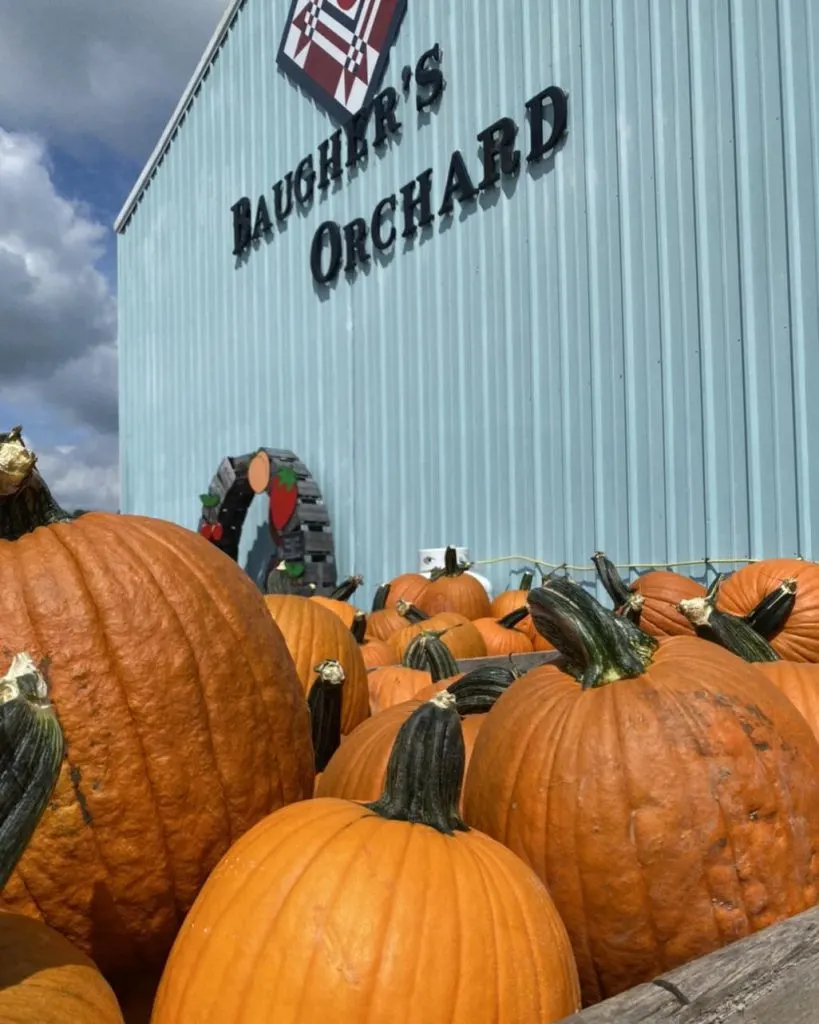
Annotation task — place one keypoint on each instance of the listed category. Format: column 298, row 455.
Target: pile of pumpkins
column 218, row 806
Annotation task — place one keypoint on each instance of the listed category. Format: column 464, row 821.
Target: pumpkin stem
column 380, row 598
column 426, row 769
column 513, row 618
column 32, row 743
column 25, row 500
column 429, row 653
column 728, row 631
column 359, row 628
column 476, row 692
column 452, row 567
column 771, row 614
column 526, row 581
column 345, row 590
column 324, row 701
column 612, row 582
column 599, row 646
column 410, row 612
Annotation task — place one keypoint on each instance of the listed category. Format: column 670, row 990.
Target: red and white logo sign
column 337, row 50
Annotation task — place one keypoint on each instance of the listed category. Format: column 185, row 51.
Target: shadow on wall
column 258, row 558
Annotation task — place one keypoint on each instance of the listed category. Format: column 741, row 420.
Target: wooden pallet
column 769, row 978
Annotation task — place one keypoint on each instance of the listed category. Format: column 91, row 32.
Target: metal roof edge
column 180, row 110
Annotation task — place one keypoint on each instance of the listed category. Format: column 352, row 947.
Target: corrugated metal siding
column 617, row 351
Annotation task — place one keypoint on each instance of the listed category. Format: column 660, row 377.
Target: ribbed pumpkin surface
column 183, row 717
column 329, row 913
column 45, row 980
column 313, row 634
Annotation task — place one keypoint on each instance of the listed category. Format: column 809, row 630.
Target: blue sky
column 86, row 87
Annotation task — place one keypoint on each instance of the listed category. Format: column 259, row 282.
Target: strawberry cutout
column 284, row 497
column 209, row 500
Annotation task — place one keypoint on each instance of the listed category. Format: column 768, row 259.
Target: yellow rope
column 530, row 560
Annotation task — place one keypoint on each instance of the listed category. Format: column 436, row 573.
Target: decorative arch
column 298, row 519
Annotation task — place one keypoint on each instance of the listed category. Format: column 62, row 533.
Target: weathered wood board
column 769, row 978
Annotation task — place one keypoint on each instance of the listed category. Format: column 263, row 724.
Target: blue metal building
column 613, row 348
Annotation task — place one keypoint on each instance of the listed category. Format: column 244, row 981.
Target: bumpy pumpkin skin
column 799, row 681
column 159, row 653
column 327, row 912
column 668, row 815
column 313, row 634
column 742, row 592
column 45, row 980
column 661, row 592
column 358, row 769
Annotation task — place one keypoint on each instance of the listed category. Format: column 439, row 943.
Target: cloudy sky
column 86, row 87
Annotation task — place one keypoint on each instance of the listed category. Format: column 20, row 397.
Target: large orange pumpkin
column 358, row 769
column 670, row 802
column 337, row 911
column 651, row 600
column 741, row 593
column 313, row 635
column 452, row 589
column 182, row 712
column 43, row 979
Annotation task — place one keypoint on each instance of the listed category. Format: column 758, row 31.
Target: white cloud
column 104, row 70
column 84, row 476
column 57, row 314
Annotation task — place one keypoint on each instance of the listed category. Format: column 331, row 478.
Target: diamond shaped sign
column 337, row 50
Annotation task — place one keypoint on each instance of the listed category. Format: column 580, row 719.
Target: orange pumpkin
column 160, row 653
column 452, row 589
column 510, row 600
column 43, row 979
column 385, row 623
column 505, row 636
column 358, row 770
column 460, row 636
column 426, row 660
column 374, row 653
column 651, row 600
column 674, row 771
column 314, row 916
column 742, row 593
column 799, row 681
column 313, row 635
column 46, row 980
column 409, row 587
column 338, row 601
